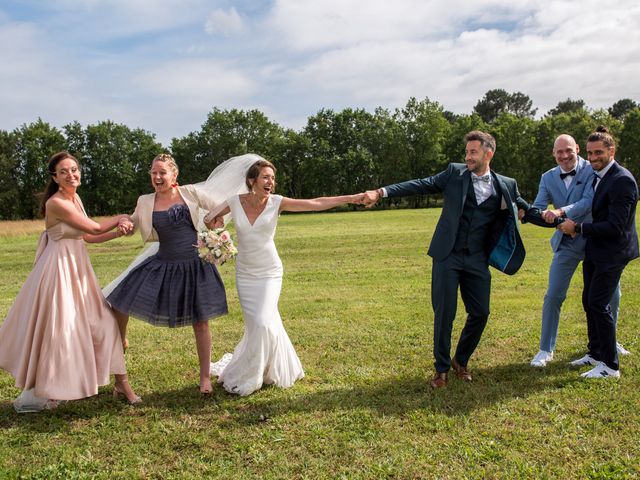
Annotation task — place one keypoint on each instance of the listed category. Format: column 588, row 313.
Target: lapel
column 559, row 185
column 604, row 182
column 145, row 214
column 466, row 181
column 192, row 204
column 503, row 192
column 581, row 164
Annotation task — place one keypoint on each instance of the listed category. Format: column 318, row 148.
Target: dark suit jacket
column 504, row 245
column 612, row 235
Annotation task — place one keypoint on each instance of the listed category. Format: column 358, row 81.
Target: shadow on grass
column 404, row 394
column 155, row 405
column 398, row 395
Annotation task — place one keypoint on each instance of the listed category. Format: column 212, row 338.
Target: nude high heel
column 130, row 398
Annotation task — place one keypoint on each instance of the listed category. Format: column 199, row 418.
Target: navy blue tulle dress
column 173, row 288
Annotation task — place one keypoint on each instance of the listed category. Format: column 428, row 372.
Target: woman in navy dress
column 172, row 288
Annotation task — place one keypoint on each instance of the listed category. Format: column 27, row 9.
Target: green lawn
column 356, row 304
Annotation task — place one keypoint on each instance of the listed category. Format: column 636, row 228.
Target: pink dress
column 60, row 338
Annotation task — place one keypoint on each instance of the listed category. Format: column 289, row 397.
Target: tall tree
column 224, row 134
column 515, row 140
column 499, row 101
column 620, row 109
column 9, row 190
column 35, row 143
column 425, row 130
column 115, row 161
column 568, row 106
column 629, row 146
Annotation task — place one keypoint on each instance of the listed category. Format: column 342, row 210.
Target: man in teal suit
column 477, row 228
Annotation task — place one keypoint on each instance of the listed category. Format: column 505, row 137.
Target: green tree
column 628, row 153
column 292, row 156
column 35, row 143
column 424, row 132
column 620, row 109
column 515, row 140
column 9, row 190
column 225, row 134
column 389, row 150
column 115, row 163
column 568, row 106
column 499, row 101
column 340, row 152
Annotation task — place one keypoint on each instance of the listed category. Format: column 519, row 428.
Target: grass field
column 356, row 304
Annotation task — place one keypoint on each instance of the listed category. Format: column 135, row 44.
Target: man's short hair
column 487, row 142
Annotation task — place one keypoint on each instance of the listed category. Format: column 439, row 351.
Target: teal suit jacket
column 504, row 247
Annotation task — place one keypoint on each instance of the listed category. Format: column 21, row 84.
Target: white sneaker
column 586, row 360
column 541, row 359
column 601, row 371
column 622, row 350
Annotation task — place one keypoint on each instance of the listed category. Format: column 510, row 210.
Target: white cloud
column 112, row 19
column 308, row 24
column 224, row 22
column 197, row 84
column 549, row 54
column 152, row 64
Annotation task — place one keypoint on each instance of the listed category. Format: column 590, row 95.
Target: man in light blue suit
column 568, row 187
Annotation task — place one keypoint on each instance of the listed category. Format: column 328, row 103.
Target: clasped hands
column 567, row 227
column 125, row 226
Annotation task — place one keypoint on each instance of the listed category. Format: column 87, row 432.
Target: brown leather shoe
column 462, row 372
column 439, row 380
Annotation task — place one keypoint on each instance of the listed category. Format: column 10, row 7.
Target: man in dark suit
column 612, row 242
column 478, row 226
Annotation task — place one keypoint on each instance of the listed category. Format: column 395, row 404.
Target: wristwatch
column 578, row 228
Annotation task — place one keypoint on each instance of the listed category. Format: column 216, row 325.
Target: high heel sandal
column 131, row 401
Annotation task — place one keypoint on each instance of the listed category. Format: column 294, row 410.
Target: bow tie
column 485, row 178
column 564, row 175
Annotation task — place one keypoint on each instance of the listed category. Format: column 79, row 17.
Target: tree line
column 335, row 152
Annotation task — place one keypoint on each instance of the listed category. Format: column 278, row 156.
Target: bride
column 265, row 354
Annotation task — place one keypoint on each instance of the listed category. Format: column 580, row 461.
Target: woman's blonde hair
column 169, row 160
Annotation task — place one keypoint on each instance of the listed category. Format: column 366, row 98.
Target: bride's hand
column 218, row 222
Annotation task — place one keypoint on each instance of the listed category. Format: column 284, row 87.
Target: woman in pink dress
column 60, row 340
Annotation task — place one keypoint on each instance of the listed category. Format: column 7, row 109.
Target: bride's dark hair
column 52, row 187
column 254, row 172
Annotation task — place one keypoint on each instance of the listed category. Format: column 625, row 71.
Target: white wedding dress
column 265, row 354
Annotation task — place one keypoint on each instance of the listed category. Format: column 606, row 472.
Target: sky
column 163, row 65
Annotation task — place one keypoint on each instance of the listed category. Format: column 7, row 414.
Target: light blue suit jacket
column 575, row 201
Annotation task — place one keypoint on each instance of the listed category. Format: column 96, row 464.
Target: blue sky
column 162, row 65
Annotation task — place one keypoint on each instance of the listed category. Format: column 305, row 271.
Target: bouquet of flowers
column 215, row 246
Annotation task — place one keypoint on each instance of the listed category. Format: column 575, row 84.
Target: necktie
column 564, row 175
column 485, row 178
column 595, row 181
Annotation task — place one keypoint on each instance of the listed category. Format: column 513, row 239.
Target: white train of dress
column 265, row 355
